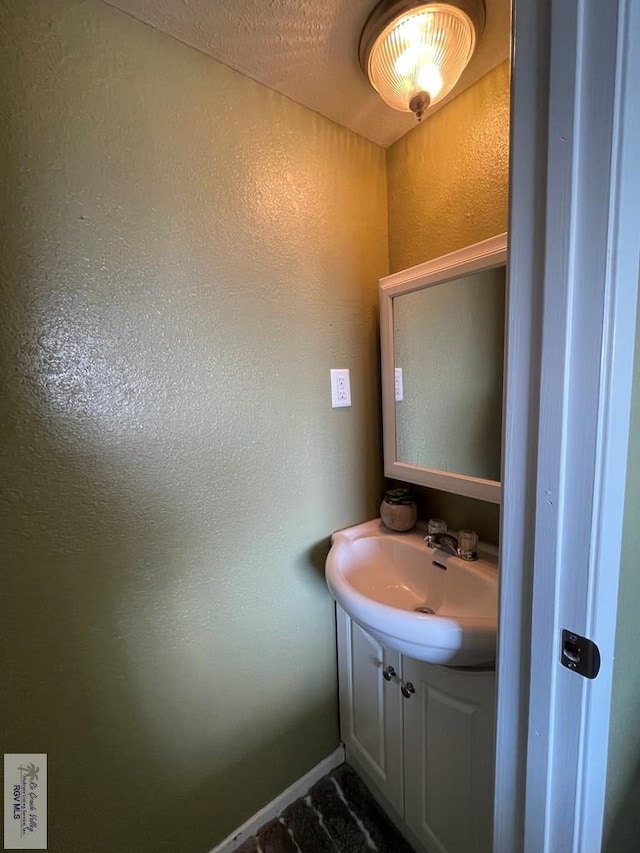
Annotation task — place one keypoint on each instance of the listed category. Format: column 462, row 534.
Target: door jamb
column 566, row 428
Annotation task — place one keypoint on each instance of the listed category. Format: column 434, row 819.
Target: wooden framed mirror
column 442, row 340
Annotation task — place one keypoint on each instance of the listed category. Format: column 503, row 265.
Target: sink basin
column 421, row 601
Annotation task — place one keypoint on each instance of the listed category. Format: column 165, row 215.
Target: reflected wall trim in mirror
column 442, row 339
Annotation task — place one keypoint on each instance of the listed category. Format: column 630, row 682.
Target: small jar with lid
column 398, row 510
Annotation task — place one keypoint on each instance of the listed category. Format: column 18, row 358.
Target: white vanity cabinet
column 448, row 757
column 371, row 708
column 428, row 755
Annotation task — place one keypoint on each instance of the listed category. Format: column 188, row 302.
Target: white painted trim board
column 573, row 262
column 280, row 803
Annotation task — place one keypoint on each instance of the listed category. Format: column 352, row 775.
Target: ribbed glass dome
column 424, row 50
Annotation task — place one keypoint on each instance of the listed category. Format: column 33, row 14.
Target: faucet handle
column 434, row 525
column 467, row 544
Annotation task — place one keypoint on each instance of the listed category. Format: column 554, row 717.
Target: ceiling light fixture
column 414, row 52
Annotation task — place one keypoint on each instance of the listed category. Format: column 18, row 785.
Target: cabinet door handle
column 388, row 673
column 407, row 690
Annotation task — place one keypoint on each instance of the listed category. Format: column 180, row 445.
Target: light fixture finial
column 419, row 103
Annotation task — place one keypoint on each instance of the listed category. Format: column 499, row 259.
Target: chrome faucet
column 446, row 541
column 463, row 545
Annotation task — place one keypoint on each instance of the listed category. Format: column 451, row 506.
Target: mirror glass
column 443, row 355
column 448, row 347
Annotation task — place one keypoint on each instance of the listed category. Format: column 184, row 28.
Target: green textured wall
column 622, row 815
column 185, row 254
column 448, row 188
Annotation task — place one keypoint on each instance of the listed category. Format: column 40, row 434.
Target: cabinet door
column 449, row 757
column 370, row 708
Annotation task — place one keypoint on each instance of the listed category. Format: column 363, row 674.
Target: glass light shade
column 424, row 50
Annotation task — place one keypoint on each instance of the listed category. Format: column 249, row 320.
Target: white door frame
column 574, row 249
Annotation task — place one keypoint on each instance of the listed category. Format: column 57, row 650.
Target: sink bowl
column 421, row 601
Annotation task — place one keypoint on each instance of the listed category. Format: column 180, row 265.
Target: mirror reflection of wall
column 449, row 345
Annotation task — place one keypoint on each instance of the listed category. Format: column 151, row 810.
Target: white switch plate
column 340, row 388
column 399, row 388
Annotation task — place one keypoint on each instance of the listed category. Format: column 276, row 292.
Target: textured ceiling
column 308, row 51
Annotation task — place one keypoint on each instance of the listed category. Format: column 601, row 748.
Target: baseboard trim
column 277, row 805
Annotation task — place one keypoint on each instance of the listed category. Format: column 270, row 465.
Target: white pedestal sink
column 421, row 601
